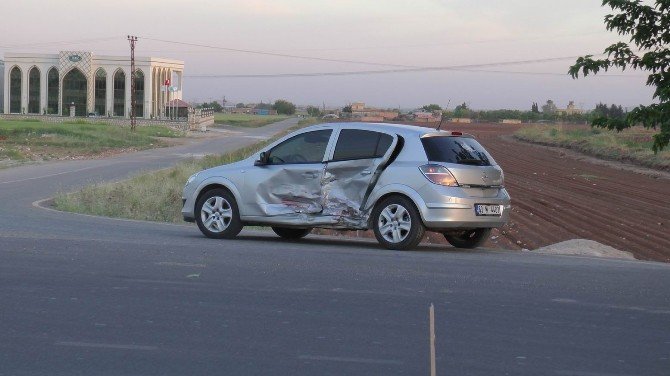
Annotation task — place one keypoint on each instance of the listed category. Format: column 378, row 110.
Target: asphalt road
column 86, row 295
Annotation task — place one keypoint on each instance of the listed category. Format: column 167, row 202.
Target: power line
column 394, row 71
column 461, row 43
column 468, row 67
column 267, row 53
column 402, row 68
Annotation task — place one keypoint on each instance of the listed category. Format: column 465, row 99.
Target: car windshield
column 460, row 150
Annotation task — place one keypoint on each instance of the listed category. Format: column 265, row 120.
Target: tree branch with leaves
column 648, row 27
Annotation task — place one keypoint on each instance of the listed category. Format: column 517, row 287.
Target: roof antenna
column 442, row 117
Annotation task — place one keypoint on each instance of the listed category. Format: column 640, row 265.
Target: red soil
column 557, row 196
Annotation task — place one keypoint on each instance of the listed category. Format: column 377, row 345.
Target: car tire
column 291, row 233
column 469, row 238
column 397, row 224
column 217, row 214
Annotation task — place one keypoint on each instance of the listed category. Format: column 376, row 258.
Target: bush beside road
column 154, row 196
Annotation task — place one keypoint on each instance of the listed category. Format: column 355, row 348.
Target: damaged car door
column 358, row 159
column 286, row 182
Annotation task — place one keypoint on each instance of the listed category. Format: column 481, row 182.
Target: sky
column 414, row 33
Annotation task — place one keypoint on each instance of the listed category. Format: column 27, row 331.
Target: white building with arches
column 49, row 84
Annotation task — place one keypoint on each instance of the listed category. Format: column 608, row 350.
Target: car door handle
column 366, row 172
column 309, row 175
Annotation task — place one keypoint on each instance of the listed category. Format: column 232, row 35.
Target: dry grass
column 33, row 140
column 152, row 196
column 631, row 145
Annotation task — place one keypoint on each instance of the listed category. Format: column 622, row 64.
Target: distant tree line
column 214, row 105
column 545, row 112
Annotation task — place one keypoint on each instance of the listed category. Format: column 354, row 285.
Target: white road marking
column 349, row 360
column 106, row 346
column 613, row 306
column 169, row 263
column 49, row 175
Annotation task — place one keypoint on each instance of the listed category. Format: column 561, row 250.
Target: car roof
column 402, row 129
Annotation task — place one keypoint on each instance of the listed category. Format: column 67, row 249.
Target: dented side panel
column 331, row 194
column 284, row 190
column 344, row 186
column 347, row 185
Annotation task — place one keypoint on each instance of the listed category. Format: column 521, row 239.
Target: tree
column 313, row 111
column 431, row 107
column 284, row 107
column 239, row 105
column 649, row 32
column 534, row 108
column 214, row 105
column 601, row 110
column 347, row 109
column 462, row 110
column 549, row 108
column 616, row 112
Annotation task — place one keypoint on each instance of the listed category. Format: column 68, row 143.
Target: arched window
column 101, row 92
column 75, row 90
column 139, row 94
column 34, row 91
column 15, row 91
column 52, row 91
column 119, row 93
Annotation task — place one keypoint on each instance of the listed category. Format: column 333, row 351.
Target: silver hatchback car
column 398, row 180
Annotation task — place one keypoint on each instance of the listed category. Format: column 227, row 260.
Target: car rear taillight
column 439, row 175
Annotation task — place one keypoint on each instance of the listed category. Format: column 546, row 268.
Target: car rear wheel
column 291, row 233
column 397, row 224
column 468, row 238
column 217, row 215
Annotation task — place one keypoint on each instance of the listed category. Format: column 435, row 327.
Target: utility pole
column 133, row 99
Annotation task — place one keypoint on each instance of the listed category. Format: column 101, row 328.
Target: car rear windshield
column 461, row 150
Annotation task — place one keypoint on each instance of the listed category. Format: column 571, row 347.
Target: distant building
column 51, row 83
column 263, row 111
column 359, row 111
column 358, row 106
column 241, row 110
column 461, row 120
column 177, row 108
column 510, row 121
column 426, row 117
column 570, row 110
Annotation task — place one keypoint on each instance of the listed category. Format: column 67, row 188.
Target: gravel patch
column 584, row 247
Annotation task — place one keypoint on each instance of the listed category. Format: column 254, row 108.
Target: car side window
column 360, row 144
column 308, row 147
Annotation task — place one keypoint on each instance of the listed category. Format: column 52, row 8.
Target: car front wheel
column 217, row 215
column 397, row 224
column 468, row 238
column 291, row 233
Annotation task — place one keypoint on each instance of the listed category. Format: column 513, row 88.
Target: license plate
column 491, row 210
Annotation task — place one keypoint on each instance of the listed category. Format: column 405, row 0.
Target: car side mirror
column 262, row 160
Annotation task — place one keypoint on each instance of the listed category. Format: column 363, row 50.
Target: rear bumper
column 459, row 212
column 454, row 218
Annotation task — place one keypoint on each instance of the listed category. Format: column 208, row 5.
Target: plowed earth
column 558, row 195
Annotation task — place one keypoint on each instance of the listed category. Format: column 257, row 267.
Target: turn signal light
column 439, row 175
